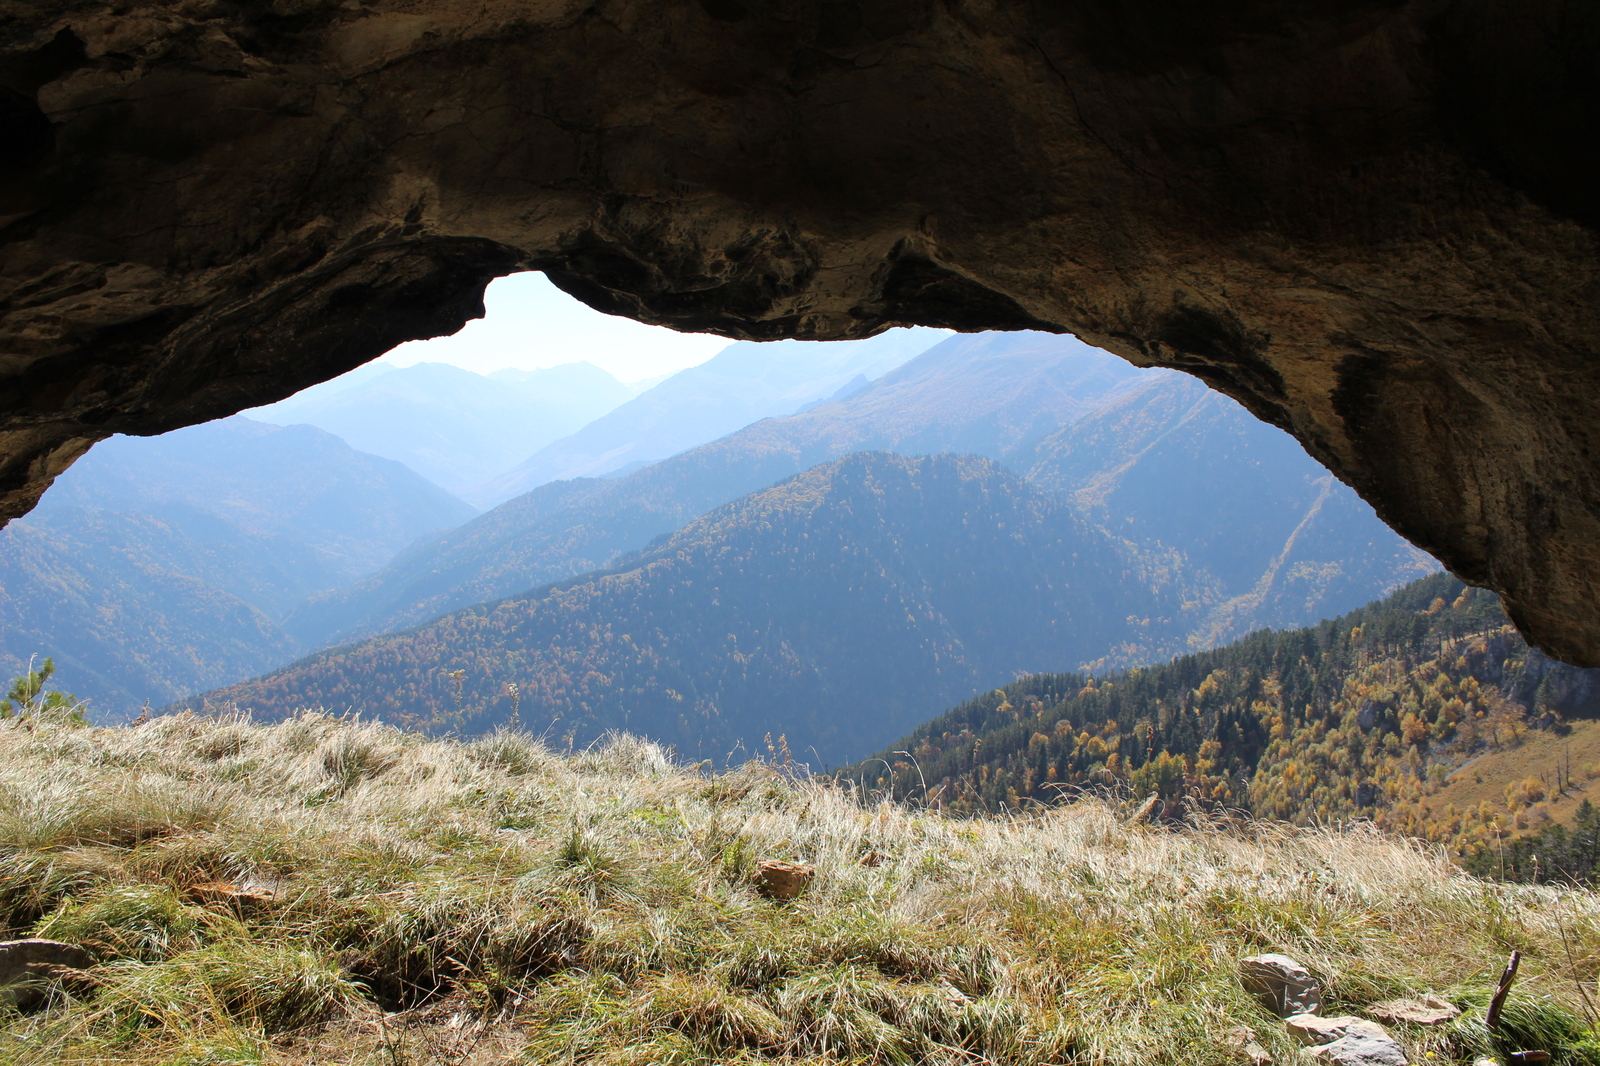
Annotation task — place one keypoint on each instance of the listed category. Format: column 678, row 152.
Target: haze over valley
column 175, row 569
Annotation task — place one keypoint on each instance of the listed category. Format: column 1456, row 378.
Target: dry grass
column 441, row 902
column 1540, row 753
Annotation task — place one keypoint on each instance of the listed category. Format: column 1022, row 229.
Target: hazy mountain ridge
column 836, row 606
column 1277, row 539
column 986, row 393
column 451, row 425
column 743, row 383
column 297, row 482
column 155, row 566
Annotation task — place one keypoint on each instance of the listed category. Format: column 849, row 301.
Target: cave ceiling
column 1373, row 223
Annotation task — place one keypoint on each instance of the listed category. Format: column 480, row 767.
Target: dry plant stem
column 1492, row 1018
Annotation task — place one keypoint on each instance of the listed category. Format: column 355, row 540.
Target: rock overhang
column 1372, row 222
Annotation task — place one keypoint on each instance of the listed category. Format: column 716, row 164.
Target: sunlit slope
column 1278, row 540
column 837, row 607
column 992, row 394
column 1386, row 713
column 158, row 567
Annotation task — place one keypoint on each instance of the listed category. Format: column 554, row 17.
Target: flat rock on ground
column 1421, row 1010
column 1360, row 1049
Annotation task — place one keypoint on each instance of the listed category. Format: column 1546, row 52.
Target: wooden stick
column 1492, row 1019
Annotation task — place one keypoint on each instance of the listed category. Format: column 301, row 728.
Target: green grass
column 421, row 901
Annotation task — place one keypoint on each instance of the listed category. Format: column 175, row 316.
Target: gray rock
column 1281, row 985
column 1362, row 1049
column 26, row 966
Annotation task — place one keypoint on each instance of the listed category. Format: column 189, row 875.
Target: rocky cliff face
column 1372, row 222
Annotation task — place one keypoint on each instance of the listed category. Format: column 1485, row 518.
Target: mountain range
column 454, row 427
column 835, row 608
column 741, row 384
column 1154, row 455
column 160, row 566
column 990, row 394
column 328, row 551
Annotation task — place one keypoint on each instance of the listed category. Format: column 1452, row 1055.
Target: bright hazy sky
column 531, row 324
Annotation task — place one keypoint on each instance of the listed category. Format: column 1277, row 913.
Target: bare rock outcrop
column 1371, row 221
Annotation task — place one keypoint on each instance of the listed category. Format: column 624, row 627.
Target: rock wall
column 1372, row 222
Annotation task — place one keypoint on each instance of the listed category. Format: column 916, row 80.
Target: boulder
column 1281, row 985
column 777, row 879
column 27, row 965
column 1346, row 1040
column 1421, row 1010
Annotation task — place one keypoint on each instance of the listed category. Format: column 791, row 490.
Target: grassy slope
column 1538, row 756
column 437, row 901
column 1366, row 716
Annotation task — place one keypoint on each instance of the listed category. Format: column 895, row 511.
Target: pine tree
column 28, row 698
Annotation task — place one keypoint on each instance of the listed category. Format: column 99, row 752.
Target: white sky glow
column 531, row 324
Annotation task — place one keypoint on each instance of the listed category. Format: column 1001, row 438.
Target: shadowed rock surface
column 1372, row 222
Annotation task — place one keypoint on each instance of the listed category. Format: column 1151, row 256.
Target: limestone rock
column 1281, row 984
column 26, row 965
column 1312, row 1029
column 1247, row 1052
column 1421, row 1010
column 777, row 879
column 1346, row 1040
column 1372, row 224
column 1360, row 1049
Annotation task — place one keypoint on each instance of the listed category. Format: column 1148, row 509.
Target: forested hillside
column 95, row 593
column 994, row 393
column 1365, row 716
column 159, row 567
column 1276, row 540
column 835, row 608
